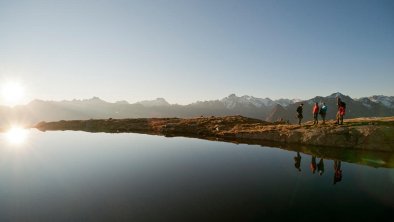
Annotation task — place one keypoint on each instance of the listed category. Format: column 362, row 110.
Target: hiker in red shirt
column 315, row 113
column 341, row 113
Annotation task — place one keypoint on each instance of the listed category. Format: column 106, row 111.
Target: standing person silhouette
column 299, row 113
column 297, row 161
column 323, row 112
column 315, row 112
column 337, row 171
column 341, row 111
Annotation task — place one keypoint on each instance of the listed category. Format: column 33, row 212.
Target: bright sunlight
column 17, row 135
column 13, row 93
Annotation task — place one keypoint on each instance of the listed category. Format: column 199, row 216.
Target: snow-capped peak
column 286, row 102
column 232, row 100
column 337, row 94
column 387, row 101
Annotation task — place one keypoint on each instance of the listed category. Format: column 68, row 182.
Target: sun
column 13, row 93
column 17, row 135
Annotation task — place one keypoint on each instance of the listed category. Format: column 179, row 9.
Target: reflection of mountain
column 261, row 108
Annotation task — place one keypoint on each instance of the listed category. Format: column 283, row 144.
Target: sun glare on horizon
column 17, row 135
column 13, row 93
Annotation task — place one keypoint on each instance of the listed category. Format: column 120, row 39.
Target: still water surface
column 79, row 176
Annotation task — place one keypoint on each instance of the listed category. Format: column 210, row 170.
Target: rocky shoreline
column 374, row 134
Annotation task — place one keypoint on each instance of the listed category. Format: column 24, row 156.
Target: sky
column 190, row 50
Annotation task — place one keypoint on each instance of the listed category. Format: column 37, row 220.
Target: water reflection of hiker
column 313, row 164
column 323, row 112
column 299, row 113
column 297, row 161
column 320, row 167
column 337, row 171
column 315, row 112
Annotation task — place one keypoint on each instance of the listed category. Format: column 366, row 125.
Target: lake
column 80, row 176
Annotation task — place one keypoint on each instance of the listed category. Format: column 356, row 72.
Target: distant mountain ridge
column 387, row 101
column 378, row 106
column 232, row 100
column 249, row 106
column 156, row 102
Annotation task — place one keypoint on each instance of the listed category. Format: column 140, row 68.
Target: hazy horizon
column 174, row 103
column 187, row 51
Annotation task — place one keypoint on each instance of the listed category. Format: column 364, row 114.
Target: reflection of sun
column 13, row 93
column 17, row 135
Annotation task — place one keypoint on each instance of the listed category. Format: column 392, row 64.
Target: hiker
column 297, row 161
column 313, row 164
column 315, row 112
column 323, row 112
column 337, row 171
column 320, row 167
column 341, row 112
column 299, row 113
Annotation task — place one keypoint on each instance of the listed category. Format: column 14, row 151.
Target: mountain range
column 249, row 106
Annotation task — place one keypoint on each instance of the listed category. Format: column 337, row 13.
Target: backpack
column 323, row 110
column 299, row 109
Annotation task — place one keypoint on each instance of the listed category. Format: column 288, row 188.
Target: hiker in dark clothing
column 299, row 113
column 315, row 112
column 323, row 112
column 297, row 161
column 320, row 167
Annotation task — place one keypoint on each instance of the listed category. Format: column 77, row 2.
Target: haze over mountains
column 249, row 106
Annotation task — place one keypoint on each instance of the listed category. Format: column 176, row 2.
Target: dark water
column 78, row 176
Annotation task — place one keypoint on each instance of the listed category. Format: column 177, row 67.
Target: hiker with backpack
column 315, row 112
column 341, row 112
column 299, row 113
column 323, row 112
